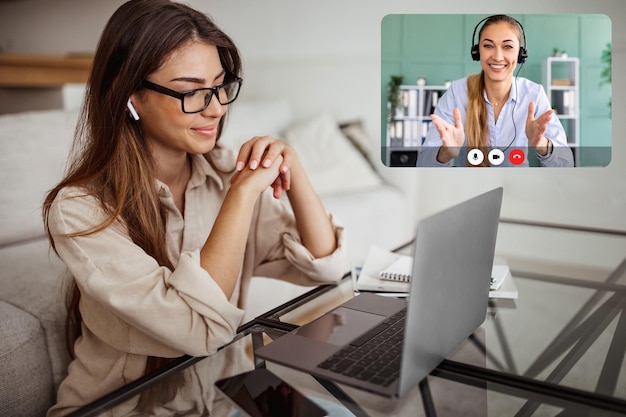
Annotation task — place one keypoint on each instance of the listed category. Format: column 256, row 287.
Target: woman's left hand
column 535, row 128
column 260, row 152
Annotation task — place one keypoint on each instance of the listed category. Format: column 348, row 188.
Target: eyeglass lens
column 200, row 99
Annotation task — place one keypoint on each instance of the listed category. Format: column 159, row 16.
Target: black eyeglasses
column 195, row 101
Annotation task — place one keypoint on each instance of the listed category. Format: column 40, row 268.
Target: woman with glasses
column 160, row 226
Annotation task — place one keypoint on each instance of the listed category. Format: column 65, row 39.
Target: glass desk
column 556, row 350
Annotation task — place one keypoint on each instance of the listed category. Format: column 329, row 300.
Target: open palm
column 535, row 128
column 452, row 136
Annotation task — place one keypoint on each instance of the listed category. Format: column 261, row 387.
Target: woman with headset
column 493, row 117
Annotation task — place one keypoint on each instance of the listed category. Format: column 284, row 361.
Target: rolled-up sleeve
column 150, row 309
column 279, row 252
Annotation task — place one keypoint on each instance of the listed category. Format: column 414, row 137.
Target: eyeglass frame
column 182, row 94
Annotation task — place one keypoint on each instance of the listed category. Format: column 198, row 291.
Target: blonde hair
column 476, row 130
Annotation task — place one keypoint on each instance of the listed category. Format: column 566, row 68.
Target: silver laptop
column 387, row 345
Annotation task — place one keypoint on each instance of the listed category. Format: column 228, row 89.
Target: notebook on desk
column 398, row 267
column 448, row 296
column 379, row 261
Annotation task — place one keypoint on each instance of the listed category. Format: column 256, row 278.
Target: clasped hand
column 265, row 161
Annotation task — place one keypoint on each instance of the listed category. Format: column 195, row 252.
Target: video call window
column 529, row 90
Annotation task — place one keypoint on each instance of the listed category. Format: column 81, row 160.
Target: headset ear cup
column 475, row 53
column 522, row 56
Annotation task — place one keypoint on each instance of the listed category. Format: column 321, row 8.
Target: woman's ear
column 131, row 109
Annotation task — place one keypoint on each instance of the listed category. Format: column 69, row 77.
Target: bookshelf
column 407, row 129
column 561, row 80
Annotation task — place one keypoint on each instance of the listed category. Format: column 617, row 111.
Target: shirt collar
column 202, row 170
column 513, row 95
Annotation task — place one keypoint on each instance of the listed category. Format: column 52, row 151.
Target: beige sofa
column 33, row 150
column 33, row 357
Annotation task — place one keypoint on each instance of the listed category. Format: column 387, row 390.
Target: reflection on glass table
column 556, row 350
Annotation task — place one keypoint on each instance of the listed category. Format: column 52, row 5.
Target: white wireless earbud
column 132, row 110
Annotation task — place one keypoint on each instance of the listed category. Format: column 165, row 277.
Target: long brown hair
column 110, row 157
column 476, row 130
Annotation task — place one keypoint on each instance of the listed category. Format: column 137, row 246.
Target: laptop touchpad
column 340, row 326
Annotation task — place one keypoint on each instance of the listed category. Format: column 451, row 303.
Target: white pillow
column 73, row 95
column 331, row 162
column 33, row 149
column 246, row 119
column 356, row 133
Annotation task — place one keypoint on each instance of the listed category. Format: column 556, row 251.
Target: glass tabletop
column 563, row 335
column 556, row 349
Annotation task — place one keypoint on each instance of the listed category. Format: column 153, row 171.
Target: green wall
column 438, row 47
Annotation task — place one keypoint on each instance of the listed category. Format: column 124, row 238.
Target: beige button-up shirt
column 133, row 308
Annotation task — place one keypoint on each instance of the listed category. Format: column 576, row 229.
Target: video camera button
column 496, row 157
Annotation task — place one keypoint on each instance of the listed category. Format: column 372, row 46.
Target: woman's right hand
column 223, row 252
column 258, row 179
column 452, row 136
column 261, row 152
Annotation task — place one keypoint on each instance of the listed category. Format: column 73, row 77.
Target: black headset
column 521, row 56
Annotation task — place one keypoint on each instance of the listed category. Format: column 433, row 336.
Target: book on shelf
column 411, row 133
column 408, row 133
column 432, row 98
column 412, row 117
column 406, row 130
column 418, row 102
column 412, row 105
column 435, row 100
column 564, row 102
column 427, row 104
column 396, row 133
column 425, row 126
column 562, row 82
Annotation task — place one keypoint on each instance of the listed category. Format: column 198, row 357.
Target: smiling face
column 499, row 47
column 168, row 130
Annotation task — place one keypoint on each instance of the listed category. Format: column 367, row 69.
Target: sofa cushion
column 26, row 387
column 386, row 204
column 249, row 118
column 332, row 163
column 33, row 150
column 33, row 279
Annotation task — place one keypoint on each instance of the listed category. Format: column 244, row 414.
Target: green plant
column 393, row 96
column 606, row 59
column 605, row 75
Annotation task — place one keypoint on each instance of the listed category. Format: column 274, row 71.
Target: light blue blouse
column 508, row 133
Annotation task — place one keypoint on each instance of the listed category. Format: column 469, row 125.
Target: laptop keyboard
column 373, row 357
